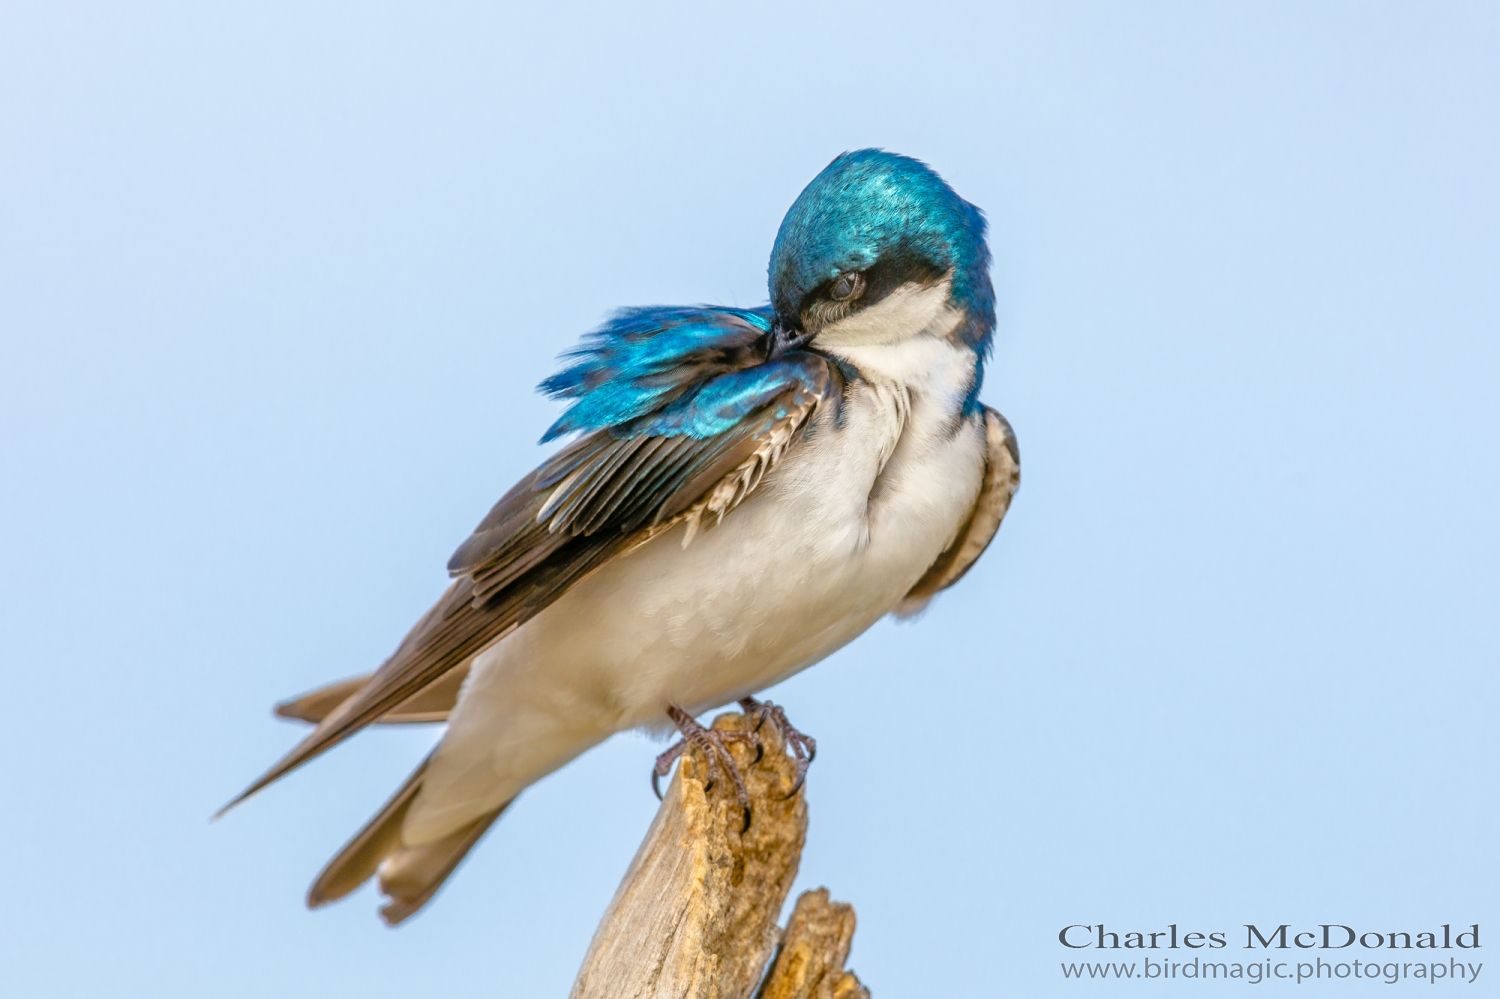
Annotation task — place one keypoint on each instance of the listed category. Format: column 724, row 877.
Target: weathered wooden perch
column 695, row 916
column 810, row 963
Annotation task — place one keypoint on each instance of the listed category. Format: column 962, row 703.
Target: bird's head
column 879, row 248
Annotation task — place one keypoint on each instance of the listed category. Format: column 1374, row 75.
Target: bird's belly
column 806, row 564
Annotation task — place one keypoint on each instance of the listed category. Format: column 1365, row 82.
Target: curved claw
column 663, row 765
column 800, row 779
column 803, row 747
column 713, row 743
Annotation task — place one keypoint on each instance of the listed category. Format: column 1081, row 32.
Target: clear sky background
column 277, row 281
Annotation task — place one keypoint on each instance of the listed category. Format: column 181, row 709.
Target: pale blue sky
column 277, row 280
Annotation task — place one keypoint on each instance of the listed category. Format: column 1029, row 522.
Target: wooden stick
column 810, row 964
column 695, row 916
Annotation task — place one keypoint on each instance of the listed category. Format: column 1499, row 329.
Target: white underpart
column 831, row 540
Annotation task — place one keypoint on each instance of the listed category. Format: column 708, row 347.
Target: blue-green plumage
column 644, row 359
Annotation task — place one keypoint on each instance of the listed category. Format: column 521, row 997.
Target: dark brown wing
column 1002, row 477
column 430, row 704
column 598, row 498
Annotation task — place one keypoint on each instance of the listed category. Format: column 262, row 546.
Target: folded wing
column 681, row 411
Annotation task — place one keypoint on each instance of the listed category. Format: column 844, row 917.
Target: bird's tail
column 407, row 875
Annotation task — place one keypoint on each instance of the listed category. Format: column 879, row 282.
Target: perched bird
column 747, row 491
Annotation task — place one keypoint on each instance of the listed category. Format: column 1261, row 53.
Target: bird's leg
column 714, row 744
column 804, row 747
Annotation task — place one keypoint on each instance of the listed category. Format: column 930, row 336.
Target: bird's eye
column 847, row 286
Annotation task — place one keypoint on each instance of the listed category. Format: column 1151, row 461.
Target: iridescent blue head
column 870, row 223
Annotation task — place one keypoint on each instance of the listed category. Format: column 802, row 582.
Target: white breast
column 831, row 541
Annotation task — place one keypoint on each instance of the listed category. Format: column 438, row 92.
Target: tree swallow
column 745, row 491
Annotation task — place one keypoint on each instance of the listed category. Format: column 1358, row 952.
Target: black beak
column 785, row 340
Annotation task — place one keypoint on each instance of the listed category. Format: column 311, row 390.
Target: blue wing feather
column 717, row 405
column 643, row 359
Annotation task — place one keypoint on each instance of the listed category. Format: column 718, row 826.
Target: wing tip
column 227, row 807
column 995, row 421
column 259, row 785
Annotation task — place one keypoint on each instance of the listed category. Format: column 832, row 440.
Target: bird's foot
column 715, row 746
column 804, row 747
